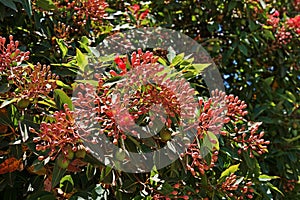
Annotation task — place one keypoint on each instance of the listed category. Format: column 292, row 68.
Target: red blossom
column 10, row 55
column 94, row 104
column 218, row 110
column 249, row 139
column 93, row 9
column 135, row 8
column 137, row 13
column 273, row 19
column 144, row 14
column 121, row 63
column 59, row 135
column 137, row 58
column 33, row 82
column 236, row 190
column 294, row 23
column 85, row 10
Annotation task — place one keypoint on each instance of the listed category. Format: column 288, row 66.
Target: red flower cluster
column 289, row 185
column 283, row 36
column 273, row 19
column 230, row 185
column 84, row 10
column 89, row 9
column 211, row 114
column 33, row 82
column 57, row 136
column 252, row 141
column 211, row 120
column 235, row 108
column 96, row 104
column 284, row 31
column 10, row 55
column 294, row 23
column 198, row 162
column 152, row 96
column 137, row 58
column 176, row 193
column 121, row 63
column 135, row 9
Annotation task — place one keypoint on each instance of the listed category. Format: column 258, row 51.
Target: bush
column 55, row 87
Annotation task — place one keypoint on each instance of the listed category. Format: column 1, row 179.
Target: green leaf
column 9, row 4
column 62, row 46
column 46, row 4
column 57, row 175
column 207, row 141
column 213, row 137
column 63, row 85
column 253, row 26
column 90, row 171
column 107, row 58
column 61, row 98
column 132, row 18
column 178, row 59
column 92, row 160
column 27, row 6
column 270, row 185
column 291, row 96
column 231, row 5
column 81, row 60
column 98, row 191
column 200, row 67
column 269, row 80
column 269, row 34
column 264, row 177
column 8, row 101
column 289, row 140
column 229, row 170
column 4, row 87
column 41, row 195
column 66, row 184
column 243, row 49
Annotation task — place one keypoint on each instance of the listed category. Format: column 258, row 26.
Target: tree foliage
column 46, row 44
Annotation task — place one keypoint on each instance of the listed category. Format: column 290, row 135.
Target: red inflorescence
column 10, row 55
column 85, row 10
column 88, row 9
column 59, row 135
column 235, row 190
column 33, row 82
column 138, row 58
column 212, row 114
column 96, row 104
column 249, row 139
column 235, row 108
column 284, row 31
column 218, row 110
column 273, row 19
column 289, row 185
column 135, row 9
column 294, row 23
column 284, row 36
column 198, row 162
